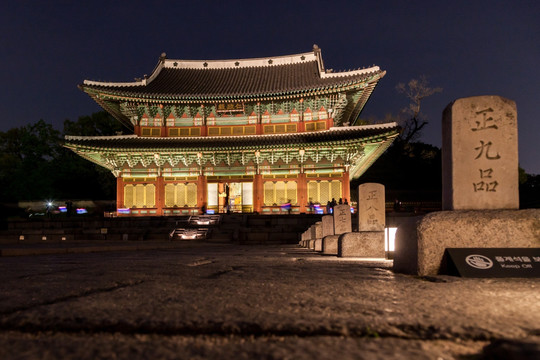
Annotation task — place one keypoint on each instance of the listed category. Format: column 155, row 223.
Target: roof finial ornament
column 163, row 56
column 317, row 52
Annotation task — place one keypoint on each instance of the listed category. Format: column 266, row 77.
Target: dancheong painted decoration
column 247, row 135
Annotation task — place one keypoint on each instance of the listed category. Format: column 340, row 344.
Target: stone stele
column 312, row 233
column 420, row 243
column 327, row 225
column 480, row 154
column 342, row 219
column 318, row 230
column 371, row 207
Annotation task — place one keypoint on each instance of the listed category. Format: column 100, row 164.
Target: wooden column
column 346, row 186
column 329, row 122
column 119, row 192
column 301, row 126
column 202, row 192
column 258, row 193
column 160, row 195
column 302, row 192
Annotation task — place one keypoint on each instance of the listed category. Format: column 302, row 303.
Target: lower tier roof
column 360, row 146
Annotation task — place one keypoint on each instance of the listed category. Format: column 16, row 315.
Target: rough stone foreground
column 245, row 302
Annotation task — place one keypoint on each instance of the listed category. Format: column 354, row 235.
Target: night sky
column 468, row 48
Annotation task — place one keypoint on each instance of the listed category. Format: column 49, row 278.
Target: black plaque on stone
column 493, row 262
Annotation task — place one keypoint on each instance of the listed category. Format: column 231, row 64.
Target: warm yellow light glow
column 390, row 238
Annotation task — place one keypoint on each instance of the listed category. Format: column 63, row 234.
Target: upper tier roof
column 215, row 79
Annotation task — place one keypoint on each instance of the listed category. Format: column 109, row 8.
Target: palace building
column 246, row 135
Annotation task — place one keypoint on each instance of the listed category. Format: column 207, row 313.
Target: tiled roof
column 341, row 134
column 180, row 79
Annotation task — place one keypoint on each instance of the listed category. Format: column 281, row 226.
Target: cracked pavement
column 200, row 301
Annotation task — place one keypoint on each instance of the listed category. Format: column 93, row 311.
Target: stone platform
column 421, row 241
column 208, row 301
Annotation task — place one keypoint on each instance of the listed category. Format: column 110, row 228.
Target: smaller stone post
column 317, row 240
column 341, row 224
column 369, row 240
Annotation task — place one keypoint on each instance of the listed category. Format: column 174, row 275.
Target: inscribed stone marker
column 371, row 207
column 327, row 225
column 480, row 154
column 342, row 219
column 318, row 230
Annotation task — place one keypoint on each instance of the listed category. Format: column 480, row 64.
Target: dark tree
column 27, row 167
column 35, row 166
column 410, row 170
column 97, row 124
column 78, row 177
column 411, row 118
column 529, row 190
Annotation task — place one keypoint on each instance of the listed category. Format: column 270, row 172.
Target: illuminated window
column 279, row 192
column 324, row 190
column 181, row 195
column 139, row 195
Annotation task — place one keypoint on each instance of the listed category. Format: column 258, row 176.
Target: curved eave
column 361, row 167
column 364, row 143
column 111, row 94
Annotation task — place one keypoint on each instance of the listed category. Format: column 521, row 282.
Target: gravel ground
column 199, row 301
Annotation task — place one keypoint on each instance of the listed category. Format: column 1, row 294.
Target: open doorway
column 230, row 197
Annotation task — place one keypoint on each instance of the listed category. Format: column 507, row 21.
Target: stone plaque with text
column 342, row 219
column 371, row 207
column 327, row 225
column 480, row 154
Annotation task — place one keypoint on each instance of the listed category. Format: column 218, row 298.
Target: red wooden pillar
column 329, row 123
column 346, row 186
column 202, row 190
column 258, row 193
column 301, row 126
column 302, row 192
column 160, row 195
column 119, row 192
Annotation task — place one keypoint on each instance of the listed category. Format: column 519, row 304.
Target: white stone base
column 361, row 244
column 318, row 245
column 421, row 241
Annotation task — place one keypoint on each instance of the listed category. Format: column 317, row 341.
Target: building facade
column 247, row 135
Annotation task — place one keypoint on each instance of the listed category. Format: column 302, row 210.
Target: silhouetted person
column 69, row 208
column 397, row 205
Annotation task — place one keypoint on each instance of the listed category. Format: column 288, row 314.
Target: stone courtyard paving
column 200, row 301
